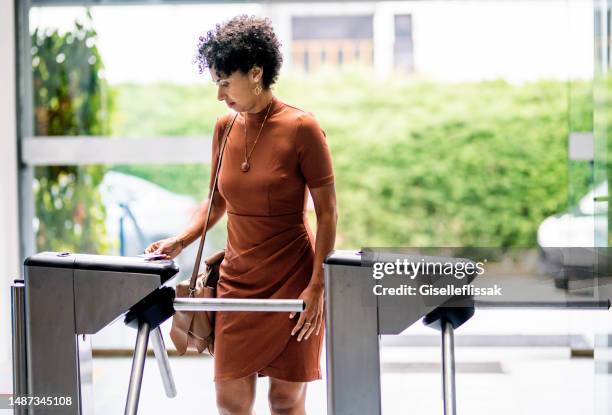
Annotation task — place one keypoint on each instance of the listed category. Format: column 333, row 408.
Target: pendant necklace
column 245, row 165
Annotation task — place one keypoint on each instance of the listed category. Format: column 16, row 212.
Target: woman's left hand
column 311, row 319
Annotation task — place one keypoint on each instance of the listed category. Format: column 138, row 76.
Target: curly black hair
column 239, row 44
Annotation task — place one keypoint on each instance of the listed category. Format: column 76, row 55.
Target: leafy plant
column 70, row 98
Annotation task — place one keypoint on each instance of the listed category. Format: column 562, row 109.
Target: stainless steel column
column 20, row 380
column 448, row 369
column 53, row 368
column 85, row 374
column 138, row 363
column 353, row 358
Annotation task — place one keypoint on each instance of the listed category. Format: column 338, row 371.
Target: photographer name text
column 413, row 269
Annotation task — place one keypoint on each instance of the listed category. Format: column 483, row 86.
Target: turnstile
column 65, row 297
column 356, row 317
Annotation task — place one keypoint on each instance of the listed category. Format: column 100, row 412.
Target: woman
column 275, row 153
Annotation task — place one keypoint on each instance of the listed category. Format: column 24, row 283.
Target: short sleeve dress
column 270, row 246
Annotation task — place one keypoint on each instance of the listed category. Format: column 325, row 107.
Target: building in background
column 446, row 41
column 454, row 41
column 331, row 40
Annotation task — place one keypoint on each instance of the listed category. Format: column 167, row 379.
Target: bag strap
column 196, row 267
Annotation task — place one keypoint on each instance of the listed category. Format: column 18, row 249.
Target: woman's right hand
column 170, row 247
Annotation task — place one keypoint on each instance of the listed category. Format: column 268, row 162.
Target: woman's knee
column 235, row 397
column 287, row 397
column 233, row 405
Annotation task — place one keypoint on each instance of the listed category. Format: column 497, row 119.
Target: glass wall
column 97, row 76
column 602, row 122
column 449, row 124
column 415, row 127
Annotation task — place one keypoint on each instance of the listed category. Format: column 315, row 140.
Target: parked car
column 567, row 241
column 140, row 212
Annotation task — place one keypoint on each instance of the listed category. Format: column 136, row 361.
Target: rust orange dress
column 270, row 246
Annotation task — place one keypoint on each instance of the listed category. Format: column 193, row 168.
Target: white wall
column 9, row 240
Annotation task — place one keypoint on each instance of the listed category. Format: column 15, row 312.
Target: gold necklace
column 245, row 165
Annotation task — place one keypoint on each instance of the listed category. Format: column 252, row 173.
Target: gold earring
column 258, row 90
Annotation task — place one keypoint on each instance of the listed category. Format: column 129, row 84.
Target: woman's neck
column 262, row 101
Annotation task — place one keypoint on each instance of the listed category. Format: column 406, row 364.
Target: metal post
column 25, row 125
column 448, row 369
column 159, row 348
column 237, row 304
column 352, row 342
column 20, row 382
column 122, row 234
column 138, row 362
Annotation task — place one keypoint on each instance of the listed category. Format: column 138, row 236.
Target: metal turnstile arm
column 163, row 363
column 188, row 304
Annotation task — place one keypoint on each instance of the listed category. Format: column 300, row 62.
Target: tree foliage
column 417, row 163
column 70, row 98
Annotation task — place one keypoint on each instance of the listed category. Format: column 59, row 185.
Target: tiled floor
column 490, row 380
column 499, row 381
column 532, row 381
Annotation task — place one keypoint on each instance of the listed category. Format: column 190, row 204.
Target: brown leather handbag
column 195, row 329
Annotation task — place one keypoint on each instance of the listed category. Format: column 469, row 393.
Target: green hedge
column 416, row 163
